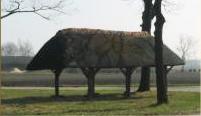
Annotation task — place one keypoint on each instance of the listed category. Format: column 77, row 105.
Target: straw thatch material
column 99, row 48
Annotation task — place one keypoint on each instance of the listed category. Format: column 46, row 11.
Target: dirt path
column 182, row 88
column 185, row 88
column 178, row 88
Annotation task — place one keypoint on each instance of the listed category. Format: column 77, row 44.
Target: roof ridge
column 89, row 30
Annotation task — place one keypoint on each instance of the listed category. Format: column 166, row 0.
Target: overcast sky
column 183, row 18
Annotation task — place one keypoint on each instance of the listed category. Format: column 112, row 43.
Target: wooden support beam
column 127, row 73
column 168, row 69
column 57, row 73
column 90, row 73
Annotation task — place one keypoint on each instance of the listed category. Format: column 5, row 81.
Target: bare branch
column 169, row 6
column 47, row 18
column 16, row 8
column 185, row 46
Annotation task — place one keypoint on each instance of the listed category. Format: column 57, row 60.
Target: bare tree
column 152, row 10
column 25, row 48
column 184, row 47
column 38, row 7
column 147, row 17
column 9, row 49
column 161, row 75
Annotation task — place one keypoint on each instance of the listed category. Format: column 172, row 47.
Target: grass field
column 109, row 102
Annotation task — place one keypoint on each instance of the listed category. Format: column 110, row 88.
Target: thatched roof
column 99, row 48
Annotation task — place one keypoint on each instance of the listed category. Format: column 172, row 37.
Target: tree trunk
column 145, row 80
column 146, row 26
column 160, row 71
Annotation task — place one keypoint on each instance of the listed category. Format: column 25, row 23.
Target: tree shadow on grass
column 95, row 110
column 154, row 105
column 70, row 98
column 159, row 104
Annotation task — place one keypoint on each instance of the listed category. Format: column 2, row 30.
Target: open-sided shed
column 93, row 49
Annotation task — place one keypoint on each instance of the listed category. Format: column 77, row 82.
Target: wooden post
column 167, row 70
column 56, row 81
column 91, row 85
column 127, row 73
column 90, row 73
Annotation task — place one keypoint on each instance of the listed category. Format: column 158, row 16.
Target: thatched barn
column 93, row 49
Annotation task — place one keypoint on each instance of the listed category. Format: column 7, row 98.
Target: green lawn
column 109, row 102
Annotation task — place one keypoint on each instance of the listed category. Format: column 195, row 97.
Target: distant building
column 191, row 66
